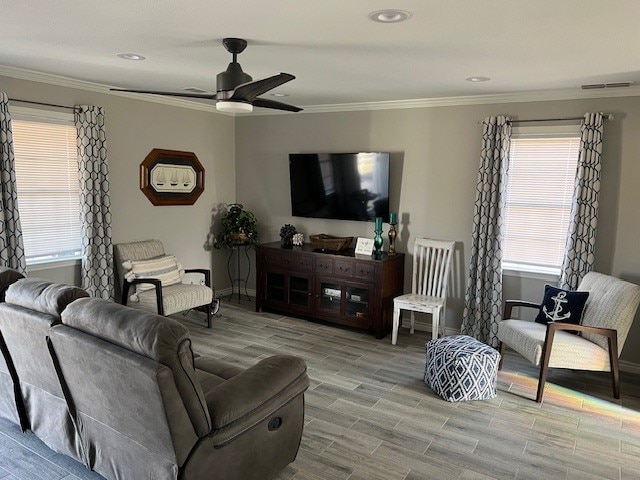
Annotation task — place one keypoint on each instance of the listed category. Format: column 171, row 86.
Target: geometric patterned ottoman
column 460, row 367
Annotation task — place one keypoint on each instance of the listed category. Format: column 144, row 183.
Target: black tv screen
column 344, row 186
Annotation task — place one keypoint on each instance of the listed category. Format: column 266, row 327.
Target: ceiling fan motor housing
column 231, row 77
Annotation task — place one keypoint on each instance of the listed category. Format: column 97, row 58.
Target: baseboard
column 225, row 292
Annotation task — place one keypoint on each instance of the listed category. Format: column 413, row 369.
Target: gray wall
column 133, row 129
column 435, row 154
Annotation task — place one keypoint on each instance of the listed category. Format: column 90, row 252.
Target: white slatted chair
column 431, row 267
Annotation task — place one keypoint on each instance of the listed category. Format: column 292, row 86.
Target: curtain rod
column 78, row 109
column 606, row 116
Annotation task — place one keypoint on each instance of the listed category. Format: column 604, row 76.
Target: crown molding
column 60, row 81
column 519, row 97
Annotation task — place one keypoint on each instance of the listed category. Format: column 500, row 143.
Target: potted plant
column 239, row 227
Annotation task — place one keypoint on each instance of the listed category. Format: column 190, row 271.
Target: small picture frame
column 364, row 246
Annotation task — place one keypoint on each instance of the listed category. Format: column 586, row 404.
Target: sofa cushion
column 159, row 338
column 175, row 298
column 569, row 351
column 164, row 268
column 43, row 296
column 560, row 305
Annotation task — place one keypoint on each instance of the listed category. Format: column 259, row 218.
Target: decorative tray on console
column 330, row 243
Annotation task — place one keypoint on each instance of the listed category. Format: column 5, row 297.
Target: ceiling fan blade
column 208, row 96
column 251, row 90
column 264, row 103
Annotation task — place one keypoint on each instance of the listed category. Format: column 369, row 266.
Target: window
column 542, row 170
column 47, row 183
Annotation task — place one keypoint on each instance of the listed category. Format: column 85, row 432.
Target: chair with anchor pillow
column 581, row 330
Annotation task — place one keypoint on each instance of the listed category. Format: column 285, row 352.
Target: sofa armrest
column 510, row 304
column 251, row 396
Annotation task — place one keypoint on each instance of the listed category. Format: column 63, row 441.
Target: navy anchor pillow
column 561, row 305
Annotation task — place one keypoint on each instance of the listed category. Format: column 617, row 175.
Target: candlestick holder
column 392, row 238
column 377, row 240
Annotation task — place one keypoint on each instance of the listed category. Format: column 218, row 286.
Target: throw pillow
column 561, row 305
column 165, row 268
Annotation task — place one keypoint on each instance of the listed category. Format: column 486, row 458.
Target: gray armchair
column 606, row 321
column 161, row 299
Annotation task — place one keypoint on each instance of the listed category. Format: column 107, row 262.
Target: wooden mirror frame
column 176, row 160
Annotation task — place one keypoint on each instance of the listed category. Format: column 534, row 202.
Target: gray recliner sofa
column 33, row 398
column 8, row 408
column 145, row 408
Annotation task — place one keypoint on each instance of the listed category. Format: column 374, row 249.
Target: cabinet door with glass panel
column 289, row 289
column 344, row 302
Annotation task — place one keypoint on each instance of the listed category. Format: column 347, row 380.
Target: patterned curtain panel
column 97, row 255
column 579, row 251
column 483, row 299
column 11, row 246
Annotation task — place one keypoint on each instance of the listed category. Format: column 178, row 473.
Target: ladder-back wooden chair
column 431, row 268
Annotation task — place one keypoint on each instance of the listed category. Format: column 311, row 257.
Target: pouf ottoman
column 460, row 368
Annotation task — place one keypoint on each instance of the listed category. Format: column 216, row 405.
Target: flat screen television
column 343, row 186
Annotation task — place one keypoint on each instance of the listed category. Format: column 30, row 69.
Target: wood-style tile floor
column 369, row 415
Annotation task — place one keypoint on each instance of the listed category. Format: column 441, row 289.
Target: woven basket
column 328, row 242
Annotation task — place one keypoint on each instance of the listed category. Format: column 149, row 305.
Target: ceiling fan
column 236, row 91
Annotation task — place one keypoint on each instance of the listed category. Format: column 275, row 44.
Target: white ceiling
column 336, row 52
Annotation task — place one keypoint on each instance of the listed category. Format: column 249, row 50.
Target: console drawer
column 324, row 265
column 284, row 260
column 343, row 268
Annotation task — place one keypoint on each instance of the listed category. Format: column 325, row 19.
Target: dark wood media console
column 336, row 287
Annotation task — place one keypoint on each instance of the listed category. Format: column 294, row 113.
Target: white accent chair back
column 607, row 318
column 431, row 269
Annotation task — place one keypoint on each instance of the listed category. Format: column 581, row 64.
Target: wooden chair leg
column 544, row 365
column 435, row 323
column 413, row 322
column 396, row 324
column 209, row 308
column 503, row 349
column 615, row 367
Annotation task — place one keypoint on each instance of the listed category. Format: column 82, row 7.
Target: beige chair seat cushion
column 568, row 351
column 175, row 298
column 418, row 303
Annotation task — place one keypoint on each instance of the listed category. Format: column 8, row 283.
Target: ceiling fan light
column 234, row 107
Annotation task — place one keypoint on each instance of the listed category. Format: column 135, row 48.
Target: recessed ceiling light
column 389, row 16
column 130, row 56
column 478, row 79
column 279, row 95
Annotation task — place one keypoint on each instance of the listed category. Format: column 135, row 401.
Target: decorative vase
column 377, row 240
column 287, row 242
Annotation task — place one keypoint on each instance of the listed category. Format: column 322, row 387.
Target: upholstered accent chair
column 594, row 345
column 164, row 294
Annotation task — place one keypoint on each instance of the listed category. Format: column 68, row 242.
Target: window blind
column 46, row 163
column 540, row 187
